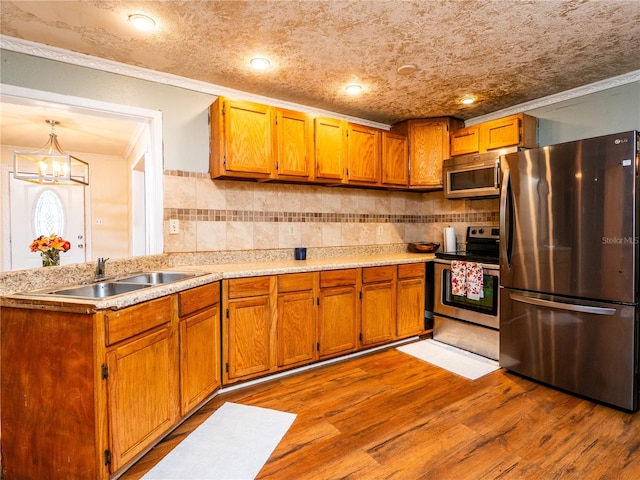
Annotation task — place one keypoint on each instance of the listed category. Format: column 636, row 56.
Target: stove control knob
column 481, row 230
column 473, row 231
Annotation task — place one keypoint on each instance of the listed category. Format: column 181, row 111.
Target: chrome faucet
column 100, row 268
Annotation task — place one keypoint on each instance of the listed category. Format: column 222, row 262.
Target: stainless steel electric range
column 468, row 322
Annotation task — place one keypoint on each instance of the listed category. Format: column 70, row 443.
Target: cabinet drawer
column 334, row 278
column 378, row 274
column 411, row 270
column 198, row 298
column 125, row 323
column 249, row 287
column 295, row 282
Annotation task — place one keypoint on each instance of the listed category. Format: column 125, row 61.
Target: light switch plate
column 174, row 226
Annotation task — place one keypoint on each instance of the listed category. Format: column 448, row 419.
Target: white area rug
column 233, row 444
column 450, row 358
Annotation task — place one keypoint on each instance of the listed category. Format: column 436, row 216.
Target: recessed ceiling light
column 406, row 69
column 260, row 63
column 353, row 89
column 142, row 22
column 468, row 99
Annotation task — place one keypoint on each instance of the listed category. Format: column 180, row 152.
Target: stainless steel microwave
column 471, row 176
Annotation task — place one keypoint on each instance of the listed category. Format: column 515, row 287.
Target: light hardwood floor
column 391, row 416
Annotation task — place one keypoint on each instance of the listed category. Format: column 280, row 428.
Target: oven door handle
column 541, row 302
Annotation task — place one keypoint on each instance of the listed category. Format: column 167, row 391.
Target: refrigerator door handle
column 506, row 220
column 561, row 305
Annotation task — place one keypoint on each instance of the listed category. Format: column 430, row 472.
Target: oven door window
column 488, row 303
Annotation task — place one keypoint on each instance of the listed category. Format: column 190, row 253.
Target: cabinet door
column 248, row 330
column 395, row 160
column 363, row 154
column 199, row 357
column 247, row 138
column 142, row 394
column 296, row 328
column 428, row 147
column 378, row 313
column 504, row 132
column 329, row 142
column 337, row 320
column 293, row 145
column 465, row 141
column 410, row 311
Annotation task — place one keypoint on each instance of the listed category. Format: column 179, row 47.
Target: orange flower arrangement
column 50, row 248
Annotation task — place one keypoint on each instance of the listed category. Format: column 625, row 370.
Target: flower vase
column 50, row 258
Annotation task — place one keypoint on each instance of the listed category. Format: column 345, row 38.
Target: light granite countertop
column 211, row 273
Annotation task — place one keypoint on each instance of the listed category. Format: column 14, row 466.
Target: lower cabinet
column 410, row 290
column 378, row 318
column 92, row 390
column 338, row 312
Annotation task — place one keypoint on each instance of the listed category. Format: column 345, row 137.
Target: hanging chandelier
column 50, row 164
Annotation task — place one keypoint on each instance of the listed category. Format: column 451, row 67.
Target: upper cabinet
column 514, row 131
column 241, row 139
column 330, row 149
column 428, row 147
column 293, row 145
column 394, row 160
column 465, row 141
column 363, row 155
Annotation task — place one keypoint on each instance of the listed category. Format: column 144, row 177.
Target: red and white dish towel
column 467, row 280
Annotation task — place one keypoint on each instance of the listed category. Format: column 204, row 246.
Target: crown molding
column 27, row 47
column 625, row 79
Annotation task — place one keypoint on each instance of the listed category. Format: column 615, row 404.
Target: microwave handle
column 496, row 175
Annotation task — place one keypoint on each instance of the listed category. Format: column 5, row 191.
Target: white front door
column 42, row 210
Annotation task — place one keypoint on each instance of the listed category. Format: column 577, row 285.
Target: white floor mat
column 233, row 444
column 450, row 358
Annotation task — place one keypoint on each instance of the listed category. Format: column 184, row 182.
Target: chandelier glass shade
column 50, row 164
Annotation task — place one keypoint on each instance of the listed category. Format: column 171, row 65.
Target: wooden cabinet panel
column 378, row 313
column 409, row 270
column 125, row 323
column 337, row 314
column 195, row 299
column 199, row 357
column 411, row 304
column 465, row 141
column 249, row 330
column 395, row 160
column 296, row 328
column 296, row 282
column 363, row 154
column 249, row 286
column 141, row 411
column 516, row 130
column 334, row 278
column 293, row 142
column 428, row 147
column 329, row 149
column 385, row 273
column 241, row 139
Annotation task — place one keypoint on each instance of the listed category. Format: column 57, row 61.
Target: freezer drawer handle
column 563, row 306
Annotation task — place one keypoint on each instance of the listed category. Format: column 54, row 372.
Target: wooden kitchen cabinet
column 363, row 155
column 241, row 141
column 293, row 145
column 378, row 314
column 465, row 141
column 410, row 300
column 428, row 147
column 518, row 130
column 297, row 319
column 395, row 160
column 199, row 333
column 248, row 327
column 330, row 146
column 338, row 312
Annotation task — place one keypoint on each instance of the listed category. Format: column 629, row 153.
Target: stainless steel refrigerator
column 569, row 267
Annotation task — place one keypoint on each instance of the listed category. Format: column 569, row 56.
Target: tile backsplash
column 226, row 215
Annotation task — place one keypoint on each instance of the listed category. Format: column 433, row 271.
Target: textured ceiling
column 505, row 52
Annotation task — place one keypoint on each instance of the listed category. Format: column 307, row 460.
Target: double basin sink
column 117, row 286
